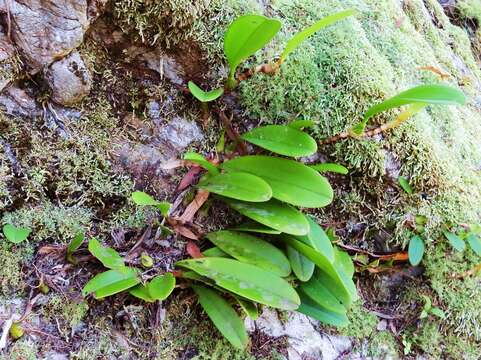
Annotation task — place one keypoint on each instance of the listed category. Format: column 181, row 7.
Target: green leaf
column 322, row 296
column 333, row 274
column 455, row 241
column 200, row 160
column 140, row 291
column 300, row 124
column 475, row 243
column 438, row 312
column 427, row 303
column 204, row 96
column 315, row 311
column 245, row 36
column 246, row 280
column 248, row 307
column 15, row 234
column 290, row 181
column 294, row 43
column 252, row 250
column 142, row 199
column 404, row 183
column 238, row 185
column 75, row 243
column 111, row 282
column 302, row 267
column 344, row 262
column 274, row 214
column 422, row 95
column 223, row 316
column 107, row 256
column 215, row 252
column 318, row 239
column 161, row 286
column 330, row 167
column 283, row 140
column 416, row 250
column 252, row 226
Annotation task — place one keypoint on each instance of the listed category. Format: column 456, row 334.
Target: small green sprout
column 428, row 309
column 15, row 234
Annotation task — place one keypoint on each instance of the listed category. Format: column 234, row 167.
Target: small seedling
column 404, row 183
column 16, row 331
column 142, row 199
column 15, row 234
column 416, row 250
column 428, row 309
column 73, row 246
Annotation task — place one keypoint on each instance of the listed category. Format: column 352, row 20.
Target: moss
column 12, row 259
column 168, row 22
column 383, row 346
column 460, row 298
column 362, row 322
column 22, row 349
column 470, row 9
column 66, row 313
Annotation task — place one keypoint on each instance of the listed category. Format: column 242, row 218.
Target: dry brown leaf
column 199, row 200
column 442, row 75
column 193, row 250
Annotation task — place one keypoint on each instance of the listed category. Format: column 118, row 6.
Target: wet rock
column 18, row 102
column 46, row 30
column 69, row 79
column 165, row 65
column 305, row 342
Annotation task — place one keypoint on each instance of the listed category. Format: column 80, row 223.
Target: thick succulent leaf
column 246, row 280
column 15, row 234
column 425, row 94
column 248, row 307
column 204, row 96
column 161, row 286
column 273, row 214
column 246, row 35
column 475, row 243
column 238, row 185
column 290, row 181
column 330, row 167
column 283, row 140
column 315, row 311
column 202, row 161
column 223, row 316
column 318, row 239
column 215, row 252
column 107, row 256
column 302, row 267
column 320, row 294
column 255, row 227
column 142, row 292
column 294, row 43
column 111, row 282
column 340, row 284
column 416, row 250
column 343, row 261
column 75, row 243
column 252, row 250
column 455, row 241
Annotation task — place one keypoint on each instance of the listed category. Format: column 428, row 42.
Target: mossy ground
column 71, row 185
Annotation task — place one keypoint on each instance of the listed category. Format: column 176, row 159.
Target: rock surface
column 69, row 79
column 46, row 30
column 305, row 341
column 18, row 102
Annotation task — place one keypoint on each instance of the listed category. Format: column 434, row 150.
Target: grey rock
column 18, row 102
column 305, row 341
column 46, row 30
column 53, row 355
column 178, row 134
column 165, row 65
column 69, row 79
